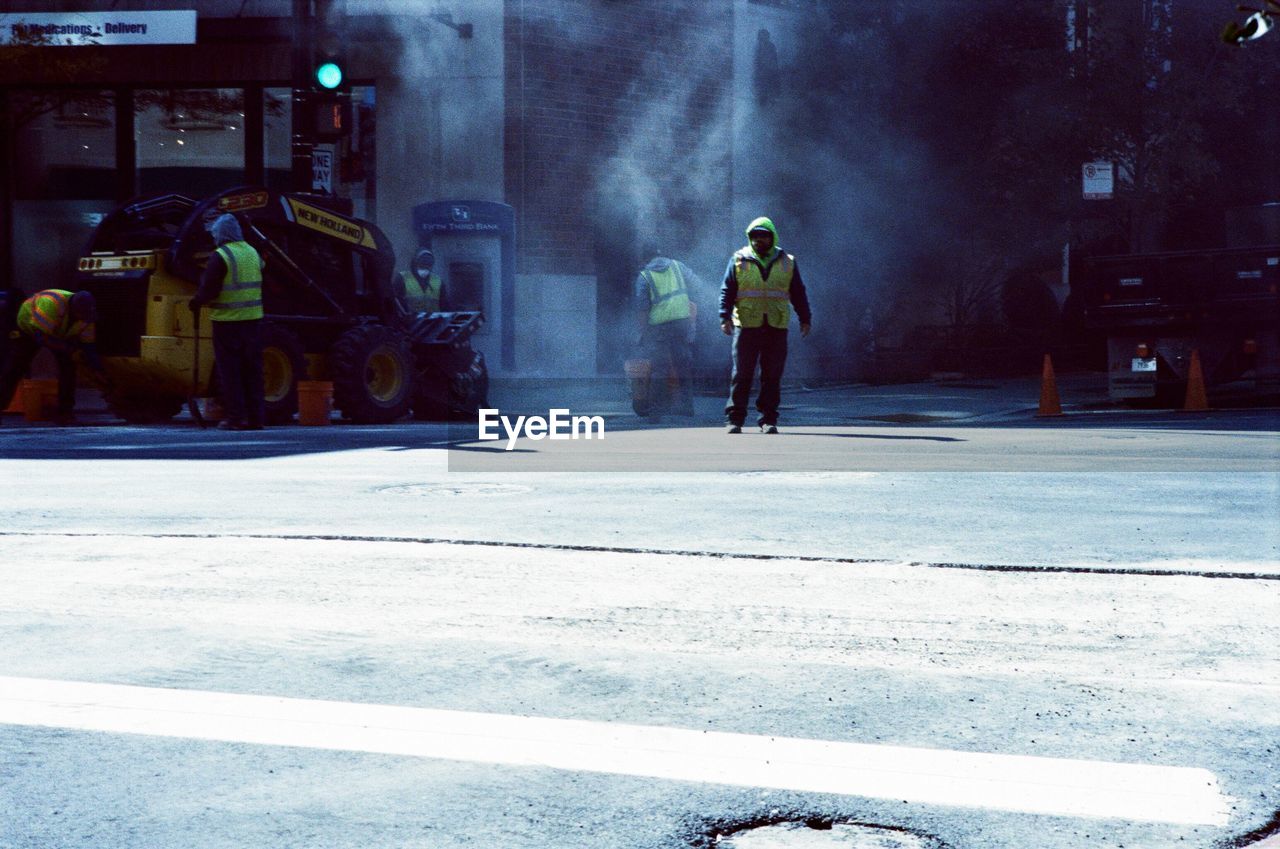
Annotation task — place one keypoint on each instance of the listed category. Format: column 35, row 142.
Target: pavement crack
column 1099, row 569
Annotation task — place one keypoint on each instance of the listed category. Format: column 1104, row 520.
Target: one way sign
column 322, row 170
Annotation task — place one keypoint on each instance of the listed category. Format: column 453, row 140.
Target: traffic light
column 329, row 75
column 331, row 89
column 329, row 71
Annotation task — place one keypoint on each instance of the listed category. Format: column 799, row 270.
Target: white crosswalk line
column 1058, row 786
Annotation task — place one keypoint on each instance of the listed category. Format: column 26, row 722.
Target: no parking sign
column 1098, row 181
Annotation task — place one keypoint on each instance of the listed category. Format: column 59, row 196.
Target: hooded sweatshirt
column 729, row 288
column 225, row 229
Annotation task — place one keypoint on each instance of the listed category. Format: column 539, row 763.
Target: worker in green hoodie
column 761, row 285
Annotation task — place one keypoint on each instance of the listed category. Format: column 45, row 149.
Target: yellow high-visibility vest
column 48, row 314
column 241, row 295
column 420, row 297
column 761, row 298
column 668, row 294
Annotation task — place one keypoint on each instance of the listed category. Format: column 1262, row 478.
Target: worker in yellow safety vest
column 423, row 288
column 63, row 322
column 666, row 315
column 231, row 286
column 761, row 285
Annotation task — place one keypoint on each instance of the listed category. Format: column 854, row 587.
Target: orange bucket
column 39, row 400
column 315, row 402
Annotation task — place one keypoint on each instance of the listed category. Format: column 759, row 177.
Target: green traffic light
column 329, row 75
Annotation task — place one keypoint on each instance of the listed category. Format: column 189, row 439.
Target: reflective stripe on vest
column 241, row 295
column 668, row 295
column 762, row 298
column 48, row 313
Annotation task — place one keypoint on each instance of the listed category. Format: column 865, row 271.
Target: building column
column 6, row 190
column 255, row 168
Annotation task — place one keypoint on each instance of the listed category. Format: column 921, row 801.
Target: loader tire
column 283, row 365
column 456, row 393
column 372, row 374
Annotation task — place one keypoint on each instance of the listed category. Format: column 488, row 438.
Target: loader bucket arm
column 292, row 270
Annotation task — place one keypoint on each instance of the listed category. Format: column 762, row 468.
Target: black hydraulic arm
column 294, row 270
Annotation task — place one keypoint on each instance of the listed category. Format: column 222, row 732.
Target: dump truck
column 334, row 310
column 1156, row 309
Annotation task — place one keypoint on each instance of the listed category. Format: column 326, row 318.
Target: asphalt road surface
column 989, row 634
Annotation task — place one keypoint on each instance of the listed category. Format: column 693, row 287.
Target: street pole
column 7, row 194
column 301, row 142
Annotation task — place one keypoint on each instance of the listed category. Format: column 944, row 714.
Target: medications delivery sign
column 78, row 29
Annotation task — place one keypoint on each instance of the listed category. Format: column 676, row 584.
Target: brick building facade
column 616, row 134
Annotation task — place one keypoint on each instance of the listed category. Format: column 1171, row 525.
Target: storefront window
column 189, row 141
column 277, row 129
column 64, row 174
column 64, row 145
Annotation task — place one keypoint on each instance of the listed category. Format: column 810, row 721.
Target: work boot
column 733, row 428
column 768, row 428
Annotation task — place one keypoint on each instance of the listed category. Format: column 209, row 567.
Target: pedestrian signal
column 332, row 111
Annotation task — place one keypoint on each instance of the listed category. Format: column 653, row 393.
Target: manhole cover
column 456, row 489
column 799, row 835
column 913, row 418
column 785, row 477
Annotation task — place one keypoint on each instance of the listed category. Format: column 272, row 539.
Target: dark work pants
column 667, row 347
column 766, row 346
column 21, row 352
column 237, row 348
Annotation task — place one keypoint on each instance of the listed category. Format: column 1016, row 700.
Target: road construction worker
column 760, row 286
column 423, row 288
column 666, row 317
column 65, row 323
column 231, row 286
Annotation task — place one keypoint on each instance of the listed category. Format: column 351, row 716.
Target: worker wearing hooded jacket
column 761, row 285
column 666, row 321
column 423, row 288
column 64, row 322
column 232, row 287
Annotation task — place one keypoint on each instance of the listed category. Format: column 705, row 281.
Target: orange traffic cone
column 1196, row 398
column 1049, row 403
